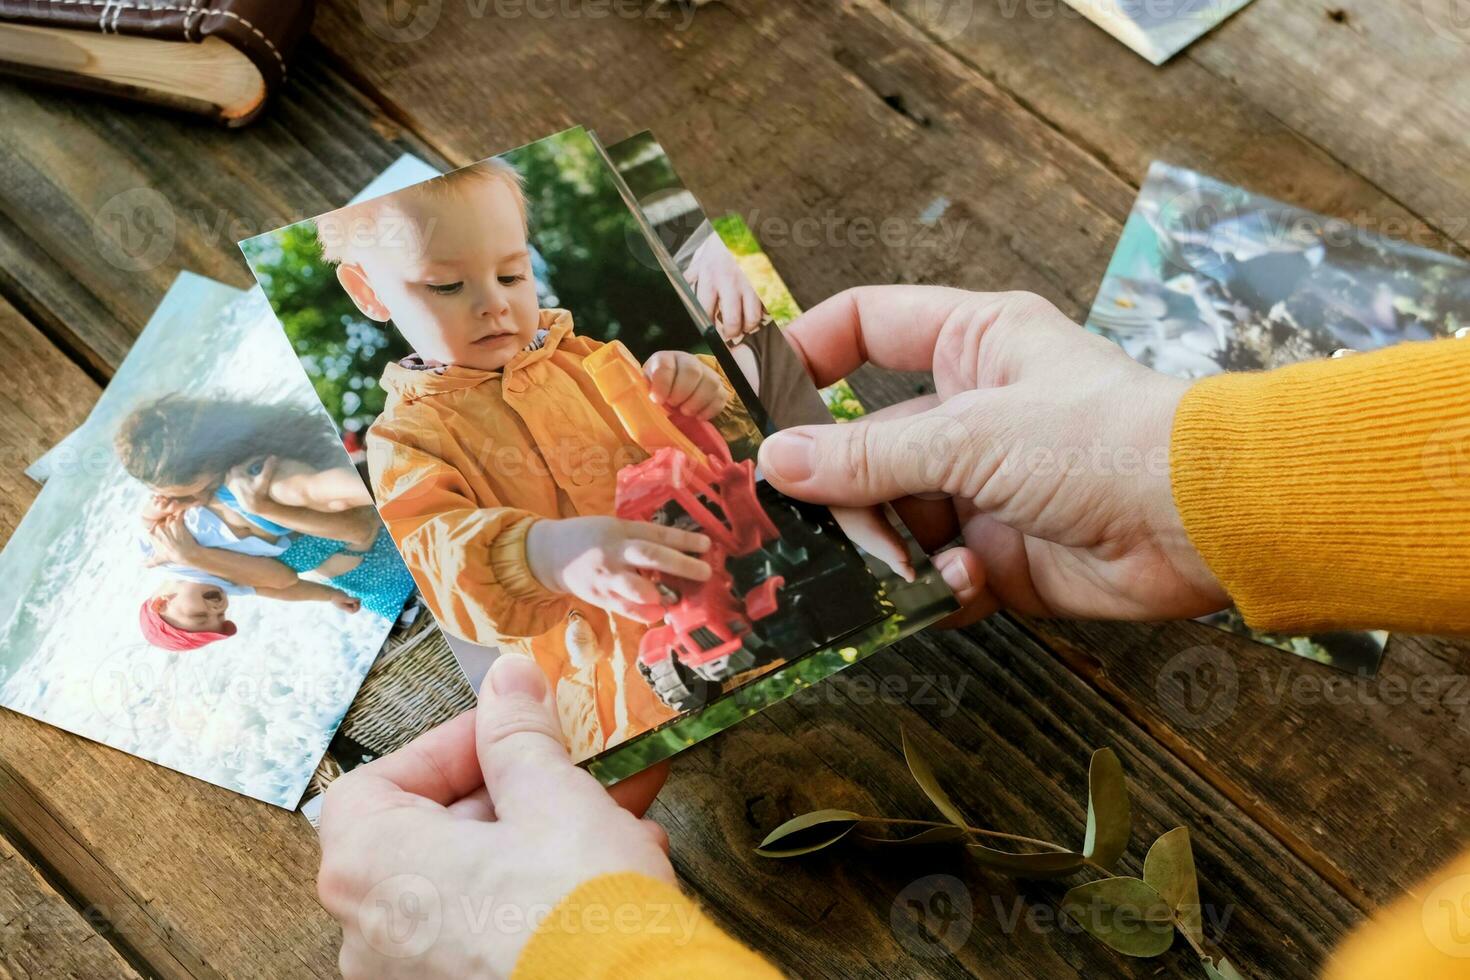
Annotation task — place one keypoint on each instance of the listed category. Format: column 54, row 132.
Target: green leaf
column 1221, row 970
column 1169, row 867
column 923, row 774
column 1043, row 864
column 934, row 835
column 1126, row 913
column 808, row 832
column 1109, row 815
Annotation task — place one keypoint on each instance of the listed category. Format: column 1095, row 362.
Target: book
column 221, row 59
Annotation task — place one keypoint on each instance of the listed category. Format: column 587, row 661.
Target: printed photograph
column 417, row 680
column 203, row 580
column 1209, row 277
column 562, row 443
column 1157, row 29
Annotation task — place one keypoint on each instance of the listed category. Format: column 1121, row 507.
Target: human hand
column 602, row 560
column 250, row 482
column 437, row 859
column 683, row 382
column 724, row 291
column 1046, row 448
column 345, row 602
column 172, row 542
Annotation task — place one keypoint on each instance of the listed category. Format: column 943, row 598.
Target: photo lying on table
column 202, row 580
column 1157, row 29
column 416, row 681
column 563, row 447
column 1209, row 277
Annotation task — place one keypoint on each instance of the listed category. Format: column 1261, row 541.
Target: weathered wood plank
column 1011, row 730
column 1129, row 113
column 41, row 935
column 1360, row 776
column 819, row 122
column 103, row 208
column 1380, row 85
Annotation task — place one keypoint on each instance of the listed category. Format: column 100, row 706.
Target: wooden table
column 1313, row 799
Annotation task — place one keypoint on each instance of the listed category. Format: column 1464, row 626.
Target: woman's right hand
column 1045, row 448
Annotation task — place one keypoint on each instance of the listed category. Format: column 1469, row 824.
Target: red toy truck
column 722, row 627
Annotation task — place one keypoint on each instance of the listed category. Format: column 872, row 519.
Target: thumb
column 518, row 738
column 869, row 461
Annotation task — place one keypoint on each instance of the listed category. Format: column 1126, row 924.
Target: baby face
column 452, row 271
column 194, row 606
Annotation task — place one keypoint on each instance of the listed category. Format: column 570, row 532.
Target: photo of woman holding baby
column 246, row 500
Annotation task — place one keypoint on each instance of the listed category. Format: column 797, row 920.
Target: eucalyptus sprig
column 1135, row 916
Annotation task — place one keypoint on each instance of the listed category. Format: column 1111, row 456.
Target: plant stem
column 979, row 831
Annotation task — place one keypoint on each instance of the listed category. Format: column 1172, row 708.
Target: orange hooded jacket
column 463, row 462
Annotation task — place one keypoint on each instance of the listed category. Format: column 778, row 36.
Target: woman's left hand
column 250, row 482
column 440, row 859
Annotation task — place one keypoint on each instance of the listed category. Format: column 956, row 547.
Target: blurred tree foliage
column 593, row 262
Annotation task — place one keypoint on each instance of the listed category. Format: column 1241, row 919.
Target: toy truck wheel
column 676, row 686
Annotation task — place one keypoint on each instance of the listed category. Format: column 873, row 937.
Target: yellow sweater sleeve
column 1334, row 494
column 634, row 927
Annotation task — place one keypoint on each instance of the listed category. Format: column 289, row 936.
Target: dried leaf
column 1169, row 867
column 923, row 774
column 808, row 832
column 934, row 835
column 1043, row 864
column 1126, row 913
column 1221, row 970
column 1109, row 815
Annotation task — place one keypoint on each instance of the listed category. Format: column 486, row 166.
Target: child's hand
column 172, row 542
column 724, row 291
column 250, row 482
column 601, row 560
column 346, row 603
column 683, row 382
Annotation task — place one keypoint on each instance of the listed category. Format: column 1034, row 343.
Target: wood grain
column 1010, row 730
column 1128, row 113
column 41, row 935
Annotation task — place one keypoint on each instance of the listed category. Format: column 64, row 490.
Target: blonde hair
column 334, row 230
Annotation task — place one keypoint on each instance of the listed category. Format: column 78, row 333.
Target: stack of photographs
column 512, row 410
column 1208, row 277
column 559, row 376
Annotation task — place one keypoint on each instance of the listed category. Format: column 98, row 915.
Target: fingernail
column 956, row 576
column 513, row 674
column 788, row 455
